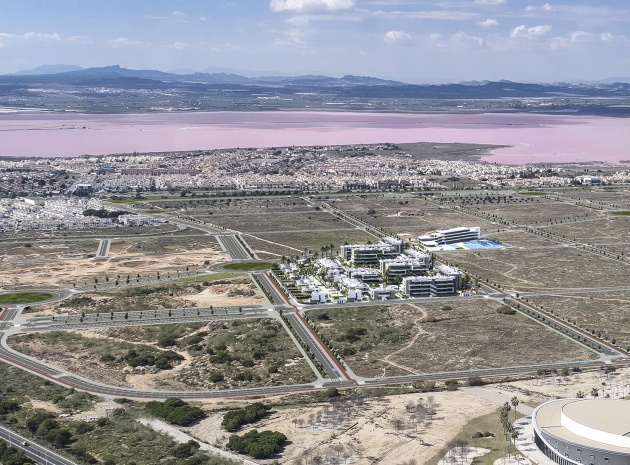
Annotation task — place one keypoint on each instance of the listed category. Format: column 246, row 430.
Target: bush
column 175, row 411
column 234, row 419
column 475, row 381
column 216, row 377
column 258, row 445
column 185, row 450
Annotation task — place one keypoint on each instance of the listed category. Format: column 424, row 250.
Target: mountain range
column 115, row 71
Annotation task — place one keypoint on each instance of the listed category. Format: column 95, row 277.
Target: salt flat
column 530, row 138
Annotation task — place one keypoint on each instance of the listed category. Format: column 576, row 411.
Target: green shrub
column 258, row 445
column 175, row 411
column 234, row 419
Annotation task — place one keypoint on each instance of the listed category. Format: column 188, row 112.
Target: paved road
column 232, row 245
column 144, row 318
column 103, row 248
column 33, row 451
column 582, row 290
column 330, row 368
column 276, row 296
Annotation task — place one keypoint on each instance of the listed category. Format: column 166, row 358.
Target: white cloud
column 488, row 22
column 293, row 36
column 544, row 7
column 578, row 37
column 530, row 32
column 463, row 38
column 303, row 5
column 203, row 18
column 177, row 46
column 178, row 14
column 54, row 37
column 490, row 2
column 394, row 37
column 446, row 15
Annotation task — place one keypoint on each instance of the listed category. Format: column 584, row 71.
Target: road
column 33, row 451
column 142, row 318
column 276, row 296
column 330, row 368
column 103, row 248
column 233, row 246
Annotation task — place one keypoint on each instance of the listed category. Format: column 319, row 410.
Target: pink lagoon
column 530, row 138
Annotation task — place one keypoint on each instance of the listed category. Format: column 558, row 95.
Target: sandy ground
column 535, row 391
column 218, row 295
column 66, row 273
column 366, row 432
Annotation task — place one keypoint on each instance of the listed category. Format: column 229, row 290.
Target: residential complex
column 380, row 271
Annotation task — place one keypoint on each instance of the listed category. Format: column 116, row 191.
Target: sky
column 413, row 41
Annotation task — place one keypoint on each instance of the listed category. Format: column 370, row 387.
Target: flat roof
column 607, row 415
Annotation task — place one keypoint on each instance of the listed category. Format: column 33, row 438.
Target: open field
column 79, row 273
column 606, row 313
column 216, row 289
column 404, row 214
column 612, row 232
column 42, row 250
column 24, row 236
column 23, row 297
column 522, row 209
column 545, row 268
column 519, row 238
column 362, row 429
column 248, row 266
column 261, row 221
column 164, row 245
column 219, row 355
column 430, row 337
column 294, row 243
column 219, row 206
column 618, row 196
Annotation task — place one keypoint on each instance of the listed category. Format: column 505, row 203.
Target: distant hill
column 48, row 69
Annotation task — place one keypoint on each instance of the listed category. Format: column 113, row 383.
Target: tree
column 514, row 401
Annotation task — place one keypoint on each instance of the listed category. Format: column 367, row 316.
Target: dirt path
column 274, row 243
column 423, row 315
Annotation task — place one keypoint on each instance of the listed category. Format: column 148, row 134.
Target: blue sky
column 408, row 40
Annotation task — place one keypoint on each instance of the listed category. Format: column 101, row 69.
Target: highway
column 232, row 246
column 33, row 451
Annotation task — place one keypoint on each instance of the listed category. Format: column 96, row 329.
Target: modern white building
column 450, row 236
column 429, row 286
column 368, row 254
column 367, row 275
column 405, row 266
column 584, row 431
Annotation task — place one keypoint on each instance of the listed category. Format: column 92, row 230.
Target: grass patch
column 248, row 266
column 209, row 277
column 622, row 213
column 498, row 445
column 532, row 193
column 24, row 297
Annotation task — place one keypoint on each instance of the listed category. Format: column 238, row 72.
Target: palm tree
column 514, row 401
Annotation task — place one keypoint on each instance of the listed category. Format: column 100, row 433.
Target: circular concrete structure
column 584, row 431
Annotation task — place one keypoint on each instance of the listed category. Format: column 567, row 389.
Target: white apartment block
column 429, row 286
column 450, row 236
column 405, row 266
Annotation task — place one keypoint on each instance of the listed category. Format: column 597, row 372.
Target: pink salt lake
column 531, row 138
